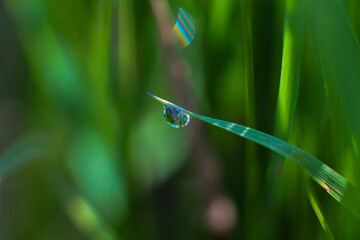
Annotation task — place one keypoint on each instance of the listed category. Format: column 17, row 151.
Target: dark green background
column 101, row 162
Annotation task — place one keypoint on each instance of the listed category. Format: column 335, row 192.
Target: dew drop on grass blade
column 334, row 184
column 184, row 28
column 176, row 118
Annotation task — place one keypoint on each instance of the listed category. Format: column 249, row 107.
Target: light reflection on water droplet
column 184, row 28
column 176, row 118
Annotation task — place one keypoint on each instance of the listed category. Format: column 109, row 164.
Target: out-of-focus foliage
column 88, row 155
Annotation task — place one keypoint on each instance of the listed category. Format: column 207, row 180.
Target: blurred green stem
column 289, row 81
column 248, row 60
column 251, row 164
column 317, row 209
column 287, row 95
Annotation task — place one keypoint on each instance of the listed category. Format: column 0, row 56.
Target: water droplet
column 176, row 118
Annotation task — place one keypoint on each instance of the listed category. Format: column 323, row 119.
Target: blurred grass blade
column 289, row 81
column 335, row 184
column 87, row 219
column 22, row 151
column 340, row 59
column 248, row 61
column 317, row 209
column 293, row 40
column 92, row 164
column 248, row 81
column 290, row 69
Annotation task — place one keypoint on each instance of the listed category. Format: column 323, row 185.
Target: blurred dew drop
column 176, row 118
column 184, row 28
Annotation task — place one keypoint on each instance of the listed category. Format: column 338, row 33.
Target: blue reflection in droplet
column 176, row 118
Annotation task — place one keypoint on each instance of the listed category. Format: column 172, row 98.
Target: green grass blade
column 22, row 151
column 290, row 69
column 339, row 52
column 317, row 209
column 248, row 61
column 252, row 165
column 289, row 83
column 335, row 184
